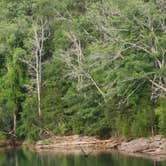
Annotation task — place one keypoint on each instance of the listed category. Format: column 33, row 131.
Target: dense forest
column 89, row 67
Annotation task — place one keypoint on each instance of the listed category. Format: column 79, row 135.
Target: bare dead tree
column 40, row 33
column 103, row 22
column 74, row 58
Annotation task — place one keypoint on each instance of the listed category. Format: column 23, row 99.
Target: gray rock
column 137, row 145
column 154, row 145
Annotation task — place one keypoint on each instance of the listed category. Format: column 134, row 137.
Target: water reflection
column 27, row 158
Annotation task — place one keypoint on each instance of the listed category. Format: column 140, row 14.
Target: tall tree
column 40, row 33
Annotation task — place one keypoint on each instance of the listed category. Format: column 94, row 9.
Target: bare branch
column 158, row 85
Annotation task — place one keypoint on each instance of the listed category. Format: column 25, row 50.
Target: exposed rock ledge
column 153, row 147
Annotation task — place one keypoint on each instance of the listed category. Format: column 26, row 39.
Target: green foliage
column 28, row 126
column 143, row 123
column 160, row 111
column 2, row 136
column 27, row 143
column 103, row 68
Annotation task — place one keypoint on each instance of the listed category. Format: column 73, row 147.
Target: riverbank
column 10, row 144
column 76, row 144
column 152, row 147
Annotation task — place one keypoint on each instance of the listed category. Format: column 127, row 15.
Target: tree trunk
column 39, row 96
column 38, row 83
column 14, row 123
column 152, row 130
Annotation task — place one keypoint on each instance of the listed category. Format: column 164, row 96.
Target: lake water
column 27, row 158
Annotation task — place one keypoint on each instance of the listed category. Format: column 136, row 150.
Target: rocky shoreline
column 76, row 145
column 69, row 142
column 153, row 147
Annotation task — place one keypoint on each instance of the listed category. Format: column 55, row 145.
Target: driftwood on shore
column 76, row 141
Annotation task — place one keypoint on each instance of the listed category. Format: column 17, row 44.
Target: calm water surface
column 27, row 158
